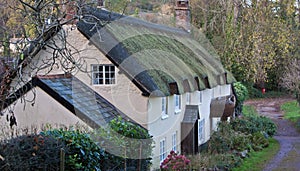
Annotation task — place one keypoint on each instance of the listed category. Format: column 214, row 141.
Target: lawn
column 291, row 110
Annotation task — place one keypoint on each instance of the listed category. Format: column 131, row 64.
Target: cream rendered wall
column 124, row 94
column 45, row 110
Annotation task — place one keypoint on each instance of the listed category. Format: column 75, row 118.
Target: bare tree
column 291, row 78
column 41, row 21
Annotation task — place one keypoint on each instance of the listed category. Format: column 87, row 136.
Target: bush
column 205, row 161
column 175, row 162
column 234, row 141
column 82, row 153
column 242, row 94
column 31, row 152
column 254, row 92
column 254, row 124
column 128, row 144
column 227, row 140
column 259, row 141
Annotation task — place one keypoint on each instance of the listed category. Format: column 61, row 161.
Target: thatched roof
column 160, row 60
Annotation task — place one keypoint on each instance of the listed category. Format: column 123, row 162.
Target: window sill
column 177, row 111
column 99, row 85
column 164, row 116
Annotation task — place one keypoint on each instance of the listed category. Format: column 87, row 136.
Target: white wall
column 161, row 128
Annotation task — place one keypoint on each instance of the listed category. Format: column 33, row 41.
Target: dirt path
column 288, row 157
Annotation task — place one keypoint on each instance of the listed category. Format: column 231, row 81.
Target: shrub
column 31, row 152
column 82, row 153
column 129, row 145
column 254, row 124
column 205, row 161
column 254, row 92
column 242, row 94
column 259, row 141
column 175, row 162
column 227, row 140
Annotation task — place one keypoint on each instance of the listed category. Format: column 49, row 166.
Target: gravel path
column 288, row 157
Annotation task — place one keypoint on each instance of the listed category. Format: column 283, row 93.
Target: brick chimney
column 182, row 14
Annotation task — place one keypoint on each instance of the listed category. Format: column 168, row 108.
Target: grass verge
column 258, row 160
column 249, row 110
column 291, row 111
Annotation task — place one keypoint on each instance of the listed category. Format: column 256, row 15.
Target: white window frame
column 108, row 74
column 162, row 150
column 201, row 131
column 174, row 141
column 177, row 103
column 200, row 97
column 164, row 107
column 188, row 98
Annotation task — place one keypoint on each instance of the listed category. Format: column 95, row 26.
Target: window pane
column 100, row 80
column 103, row 74
column 107, row 81
column 112, row 75
column 94, row 68
column 112, row 68
column 107, row 68
column 100, row 68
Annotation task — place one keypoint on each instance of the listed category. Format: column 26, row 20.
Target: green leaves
column 127, row 143
column 82, row 153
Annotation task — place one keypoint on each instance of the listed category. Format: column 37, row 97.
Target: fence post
column 62, row 159
column 140, row 157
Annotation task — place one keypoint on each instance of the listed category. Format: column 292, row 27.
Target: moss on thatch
column 167, row 54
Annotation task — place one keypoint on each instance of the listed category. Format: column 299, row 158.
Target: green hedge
column 82, row 151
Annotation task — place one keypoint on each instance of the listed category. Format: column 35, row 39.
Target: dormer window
column 103, row 74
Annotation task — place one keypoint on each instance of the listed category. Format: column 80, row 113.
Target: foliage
column 83, row 153
column 205, row 161
column 227, row 148
column 259, row 141
column 242, row 94
column 175, row 162
column 240, row 138
column 253, row 92
column 226, row 139
column 127, row 143
column 31, row 152
column 253, row 124
column 254, row 39
column 257, row 159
